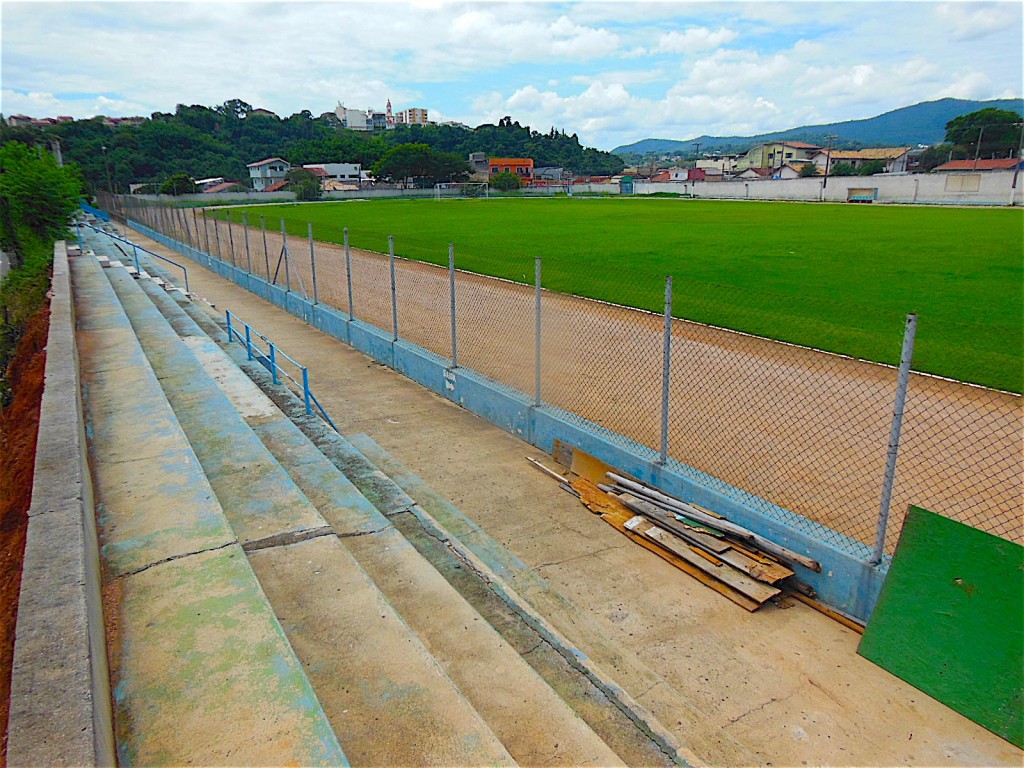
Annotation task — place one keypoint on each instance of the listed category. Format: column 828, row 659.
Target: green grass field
column 835, row 277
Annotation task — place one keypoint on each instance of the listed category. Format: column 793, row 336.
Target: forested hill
column 206, row 142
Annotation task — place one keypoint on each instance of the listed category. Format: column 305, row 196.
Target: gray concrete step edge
column 60, row 612
column 390, row 497
column 419, row 684
column 530, row 714
column 156, row 694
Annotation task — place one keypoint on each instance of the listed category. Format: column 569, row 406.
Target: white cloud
column 694, row 39
column 973, row 21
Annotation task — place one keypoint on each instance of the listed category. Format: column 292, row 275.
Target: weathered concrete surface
column 388, row 700
column 529, row 719
column 781, row 685
column 60, row 697
column 202, row 670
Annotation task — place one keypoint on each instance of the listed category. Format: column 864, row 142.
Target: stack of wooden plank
column 737, row 563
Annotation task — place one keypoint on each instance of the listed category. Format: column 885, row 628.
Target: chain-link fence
column 781, row 426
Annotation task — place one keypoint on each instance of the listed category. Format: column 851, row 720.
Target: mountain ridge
column 922, row 123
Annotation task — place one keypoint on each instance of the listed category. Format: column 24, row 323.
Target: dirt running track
column 805, row 430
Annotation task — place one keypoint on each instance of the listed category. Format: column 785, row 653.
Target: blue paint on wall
column 847, row 581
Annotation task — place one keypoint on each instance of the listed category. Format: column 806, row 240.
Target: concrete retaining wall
column 60, row 694
column 988, row 188
column 847, row 582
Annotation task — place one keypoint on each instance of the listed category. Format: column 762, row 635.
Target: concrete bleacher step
column 533, row 722
column 387, row 698
column 202, row 672
column 626, row 727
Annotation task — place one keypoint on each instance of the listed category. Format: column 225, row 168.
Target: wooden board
column 948, row 620
column 752, row 588
column 581, row 462
column 615, row 513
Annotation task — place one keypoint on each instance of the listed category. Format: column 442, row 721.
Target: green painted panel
column 950, row 620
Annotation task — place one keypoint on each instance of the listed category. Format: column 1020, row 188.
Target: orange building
column 520, row 166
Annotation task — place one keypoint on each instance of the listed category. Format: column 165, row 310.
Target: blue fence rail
column 269, row 359
column 135, row 248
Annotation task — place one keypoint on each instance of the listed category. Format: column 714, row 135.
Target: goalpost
column 462, row 189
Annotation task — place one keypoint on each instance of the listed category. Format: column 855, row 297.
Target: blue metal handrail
column 269, row 360
column 135, row 248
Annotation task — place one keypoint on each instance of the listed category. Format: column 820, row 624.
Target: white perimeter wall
column 993, row 188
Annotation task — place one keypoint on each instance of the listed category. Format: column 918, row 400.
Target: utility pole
column 828, row 158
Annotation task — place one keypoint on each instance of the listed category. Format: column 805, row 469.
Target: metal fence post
column 451, row 292
column 266, row 252
column 312, row 262
column 536, row 335
column 273, row 362
column 906, row 356
column 216, row 237
column 305, row 390
column 228, row 315
column 666, row 371
column 348, row 274
column 206, row 234
column 248, row 342
column 231, row 239
column 284, row 253
column 394, row 292
column 245, row 232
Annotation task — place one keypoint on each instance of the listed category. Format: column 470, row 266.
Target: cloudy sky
column 613, row 72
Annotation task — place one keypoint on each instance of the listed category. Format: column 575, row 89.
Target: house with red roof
column 972, row 166
column 266, row 173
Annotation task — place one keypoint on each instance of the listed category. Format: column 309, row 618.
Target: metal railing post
column 135, row 254
column 206, row 234
column 231, row 239
column 228, row 315
column 266, row 252
column 216, row 237
column 536, row 335
column 305, row 390
column 906, row 356
column 666, row 371
column 273, row 362
column 312, row 262
column 248, row 342
column 245, row 232
column 394, row 292
column 451, row 292
column 348, row 274
column 284, row 252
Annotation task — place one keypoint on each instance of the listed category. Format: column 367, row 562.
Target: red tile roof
column 997, row 164
column 278, row 186
column 268, row 160
column 224, row 187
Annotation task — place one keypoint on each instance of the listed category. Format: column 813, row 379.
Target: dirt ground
column 19, row 424
column 805, row 430
column 782, row 686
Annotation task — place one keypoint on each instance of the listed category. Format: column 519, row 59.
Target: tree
column 37, row 198
column 506, row 181
column 939, row 154
column 421, row 164
column 179, row 184
column 808, row 170
column 842, row 169
column 988, row 132
column 871, row 167
column 305, row 183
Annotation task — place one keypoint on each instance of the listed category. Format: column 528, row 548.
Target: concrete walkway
column 782, row 686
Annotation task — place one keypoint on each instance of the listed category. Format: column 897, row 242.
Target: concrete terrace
column 214, row 577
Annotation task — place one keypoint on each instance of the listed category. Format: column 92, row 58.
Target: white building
column 268, row 172
column 412, row 116
column 353, row 119
column 343, row 172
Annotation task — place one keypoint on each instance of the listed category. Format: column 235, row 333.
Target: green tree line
column 37, row 199
column 205, row 142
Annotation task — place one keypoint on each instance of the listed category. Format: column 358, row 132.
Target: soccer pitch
column 834, row 277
